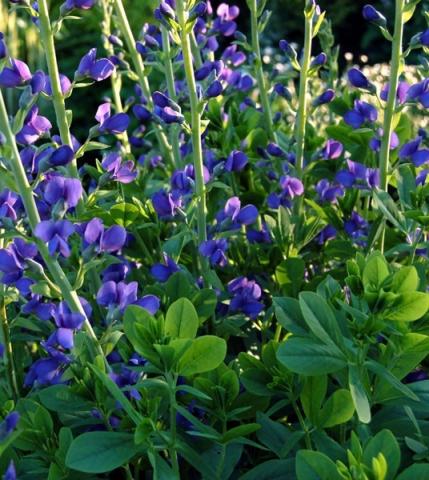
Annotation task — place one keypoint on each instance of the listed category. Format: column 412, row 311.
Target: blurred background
column 359, row 42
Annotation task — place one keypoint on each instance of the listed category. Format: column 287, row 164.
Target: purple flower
column 67, row 323
column 375, row 142
column 357, row 228
column 292, row 186
column 166, row 204
column 326, row 97
column 319, row 61
column 224, row 23
column 113, row 239
column 239, row 216
column 246, row 294
column 361, row 113
column 370, row 14
column 142, row 113
column 401, row 92
column 35, row 306
column 3, row 48
column 8, row 425
column 424, row 38
column 163, row 271
column 67, row 190
column 274, row 150
column 9, row 202
column 328, row 233
column 122, row 172
column 56, row 234
column 115, row 124
column 116, row 272
column 412, row 152
column 16, row 75
column 65, row 85
column 332, row 150
column 328, row 192
column 214, row 90
column 98, row 70
column 120, row 295
column 10, row 473
column 49, row 370
column 80, row 4
column 359, row 176
column 215, row 251
column 420, row 92
column 34, row 127
column 13, row 258
column 236, row 161
column 357, row 79
column 63, row 155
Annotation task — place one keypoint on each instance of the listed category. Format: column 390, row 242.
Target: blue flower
column 163, row 271
column 56, row 234
column 15, row 75
column 361, row 113
column 115, row 124
column 236, row 161
column 215, row 250
column 246, row 295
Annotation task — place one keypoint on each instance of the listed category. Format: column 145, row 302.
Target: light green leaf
column 205, row 354
column 181, row 320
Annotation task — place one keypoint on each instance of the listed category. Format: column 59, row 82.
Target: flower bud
column 370, row 14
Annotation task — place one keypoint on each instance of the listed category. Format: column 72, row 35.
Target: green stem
column 169, row 75
column 173, row 428
column 10, row 363
column 115, row 79
column 127, row 33
column 196, row 51
column 303, row 87
column 389, row 111
column 195, row 127
column 47, row 37
column 26, row 193
column 263, row 95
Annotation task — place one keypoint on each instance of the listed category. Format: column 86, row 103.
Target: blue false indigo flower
column 8, row 425
column 65, row 85
column 332, row 150
column 115, row 124
column 423, row 38
column 141, row 49
column 215, row 251
column 214, row 90
column 236, row 161
column 9, row 203
column 3, row 49
column 282, row 91
column 142, row 113
column 318, row 61
column 239, row 216
column 119, row 295
column 203, row 72
column 199, row 10
column 274, row 150
column 233, row 56
column 375, row 142
column 421, row 177
column 224, row 23
column 357, row 228
column 34, row 127
column 35, row 306
column 63, row 155
column 326, row 97
column 292, row 187
column 67, row 322
column 259, row 236
column 13, row 258
column 15, row 75
column 361, row 113
column 49, row 370
column 55, row 234
column 161, row 272
column 169, row 115
column 411, row 151
column 420, row 92
column 113, row 239
column 79, row 4
column 90, row 67
column 401, row 93
column 370, row 14
column 122, row 172
column 166, row 10
column 358, row 79
column 328, row 192
column 358, row 176
column 38, row 82
column 328, row 233
column 246, row 294
column 416, row 376
column 116, row 272
column 10, row 473
column 61, row 189
column 166, row 204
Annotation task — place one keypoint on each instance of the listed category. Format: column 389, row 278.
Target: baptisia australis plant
column 223, row 273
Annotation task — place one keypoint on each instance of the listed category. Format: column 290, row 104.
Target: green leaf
column 385, row 443
column 100, row 452
column 290, row 275
column 240, row 431
column 124, row 214
column 312, row 396
column 205, row 302
column 321, row 319
column 407, row 307
column 338, row 409
column 289, row 315
column 405, row 280
column 359, row 396
column 315, row 466
column 205, row 354
column 181, row 320
column 277, row 437
column 415, row 472
column 61, row 398
column 375, row 272
column 308, row 356
column 271, row 470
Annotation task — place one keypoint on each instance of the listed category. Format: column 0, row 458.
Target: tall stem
column 263, row 95
column 303, row 87
column 10, row 363
column 47, row 37
column 26, row 193
column 169, row 75
column 115, row 79
column 389, row 111
column 173, row 428
column 195, row 126
column 391, row 99
column 127, row 33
